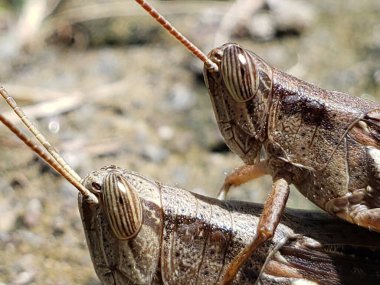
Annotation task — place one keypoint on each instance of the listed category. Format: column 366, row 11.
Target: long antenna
column 174, row 32
column 57, row 162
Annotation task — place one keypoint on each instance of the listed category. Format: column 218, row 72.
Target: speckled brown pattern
column 187, row 238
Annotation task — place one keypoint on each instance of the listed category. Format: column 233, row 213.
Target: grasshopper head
column 120, row 202
column 240, row 91
column 124, row 230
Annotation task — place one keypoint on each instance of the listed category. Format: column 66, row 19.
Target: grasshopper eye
column 122, row 206
column 239, row 73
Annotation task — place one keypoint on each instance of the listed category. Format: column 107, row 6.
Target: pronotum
column 142, row 232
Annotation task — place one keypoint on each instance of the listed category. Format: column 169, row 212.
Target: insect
column 326, row 143
column 142, row 232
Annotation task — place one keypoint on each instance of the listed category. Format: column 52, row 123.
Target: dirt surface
column 117, row 90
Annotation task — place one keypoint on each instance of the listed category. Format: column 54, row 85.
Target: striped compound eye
column 239, row 73
column 122, row 206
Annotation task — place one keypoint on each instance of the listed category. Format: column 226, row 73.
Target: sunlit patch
column 242, row 58
column 375, row 154
column 364, row 127
column 304, row 282
column 121, row 187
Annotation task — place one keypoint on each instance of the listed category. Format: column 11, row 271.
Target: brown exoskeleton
column 326, row 143
column 185, row 238
column 139, row 231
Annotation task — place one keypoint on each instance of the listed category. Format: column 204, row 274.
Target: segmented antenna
column 57, row 162
column 174, row 32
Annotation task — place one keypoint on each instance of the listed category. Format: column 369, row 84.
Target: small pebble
column 24, row 277
column 262, row 26
column 165, row 132
column 181, row 98
column 155, row 153
column 292, row 15
column 32, row 213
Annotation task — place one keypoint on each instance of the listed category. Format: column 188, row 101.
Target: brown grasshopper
column 326, row 143
column 139, row 231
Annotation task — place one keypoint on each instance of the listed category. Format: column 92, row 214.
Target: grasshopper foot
column 222, row 194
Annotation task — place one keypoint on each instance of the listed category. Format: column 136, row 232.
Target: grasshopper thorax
column 119, row 200
column 241, row 93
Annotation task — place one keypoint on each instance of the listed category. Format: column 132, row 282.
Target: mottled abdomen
column 202, row 236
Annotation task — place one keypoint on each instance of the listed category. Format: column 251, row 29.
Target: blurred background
column 107, row 85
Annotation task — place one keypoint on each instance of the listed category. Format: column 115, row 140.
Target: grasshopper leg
column 357, row 207
column 242, row 175
column 273, row 208
column 369, row 219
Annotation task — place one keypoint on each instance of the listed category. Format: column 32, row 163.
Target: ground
column 118, row 90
